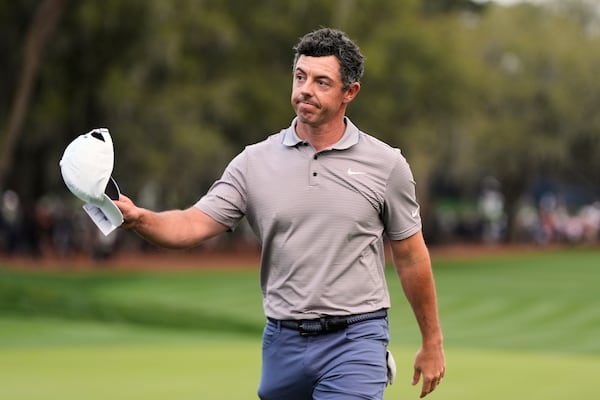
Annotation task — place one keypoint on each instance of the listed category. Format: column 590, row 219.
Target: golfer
column 320, row 195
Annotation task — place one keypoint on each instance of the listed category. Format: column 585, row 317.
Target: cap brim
column 110, row 210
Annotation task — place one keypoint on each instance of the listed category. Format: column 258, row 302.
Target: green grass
column 516, row 327
column 546, row 301
column 152, row 367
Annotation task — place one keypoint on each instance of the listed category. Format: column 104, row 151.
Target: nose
column 306, row 87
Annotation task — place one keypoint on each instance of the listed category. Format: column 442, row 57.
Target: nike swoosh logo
column 415, row 213
column 350, row 172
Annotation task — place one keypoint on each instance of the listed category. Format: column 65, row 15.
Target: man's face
column 317, row 90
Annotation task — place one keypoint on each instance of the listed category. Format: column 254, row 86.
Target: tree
column 465, row 91
column 531, row 102
column 43, row 25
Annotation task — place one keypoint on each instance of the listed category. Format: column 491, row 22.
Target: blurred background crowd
column 55, row 229
column 495, row 104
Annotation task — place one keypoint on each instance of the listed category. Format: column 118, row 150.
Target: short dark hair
column 332, row 42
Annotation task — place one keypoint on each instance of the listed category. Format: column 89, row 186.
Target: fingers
column 127, row 208
column 431, row 365
column 428, row 387
column 416, row 376
column 429, row 383
column 124, row 198
column 127, row 224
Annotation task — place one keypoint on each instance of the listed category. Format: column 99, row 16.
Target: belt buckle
column 327, row 325
column 305, row 332
column 334, row 324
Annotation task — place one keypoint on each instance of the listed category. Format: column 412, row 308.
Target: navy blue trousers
column 344, row 365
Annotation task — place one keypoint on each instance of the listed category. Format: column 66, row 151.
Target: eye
column 299, row 77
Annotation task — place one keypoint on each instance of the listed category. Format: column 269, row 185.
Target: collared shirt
column 320, row 218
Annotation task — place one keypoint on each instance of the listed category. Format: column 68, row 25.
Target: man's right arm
column 174, row 229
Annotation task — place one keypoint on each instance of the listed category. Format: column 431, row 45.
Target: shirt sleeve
column 226, row 199
column 401, row 213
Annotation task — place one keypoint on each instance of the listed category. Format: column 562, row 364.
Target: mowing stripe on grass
column 544, row 301
column 229, row 369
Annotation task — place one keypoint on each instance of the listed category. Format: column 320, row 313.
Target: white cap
column 86, row 168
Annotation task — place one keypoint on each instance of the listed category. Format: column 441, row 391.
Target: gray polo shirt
column 320, row 218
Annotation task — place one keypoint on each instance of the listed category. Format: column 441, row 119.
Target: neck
column 322, row 136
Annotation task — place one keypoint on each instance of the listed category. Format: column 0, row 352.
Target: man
column 320, row 195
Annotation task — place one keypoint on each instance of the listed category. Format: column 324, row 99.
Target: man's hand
column 130, row 212
column 431, row 365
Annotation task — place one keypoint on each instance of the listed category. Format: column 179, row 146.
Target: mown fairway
column 517, row 327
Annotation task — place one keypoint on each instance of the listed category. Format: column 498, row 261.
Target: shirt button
column 315, row 156
column 314, row 174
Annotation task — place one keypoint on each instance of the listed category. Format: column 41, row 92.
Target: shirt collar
column 350, row 138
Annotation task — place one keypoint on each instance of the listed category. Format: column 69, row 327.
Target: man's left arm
column 413, row 266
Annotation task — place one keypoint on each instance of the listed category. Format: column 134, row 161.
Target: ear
column 351, row 92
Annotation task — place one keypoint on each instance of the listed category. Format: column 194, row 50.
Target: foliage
column 465, row 90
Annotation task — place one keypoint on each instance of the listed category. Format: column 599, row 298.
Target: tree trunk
column 42, row 27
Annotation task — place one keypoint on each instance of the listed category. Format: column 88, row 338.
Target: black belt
column 318, row 326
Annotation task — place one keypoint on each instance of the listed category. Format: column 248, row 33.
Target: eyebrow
column 324, row 76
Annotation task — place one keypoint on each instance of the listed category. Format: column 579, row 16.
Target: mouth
column 305, row 102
